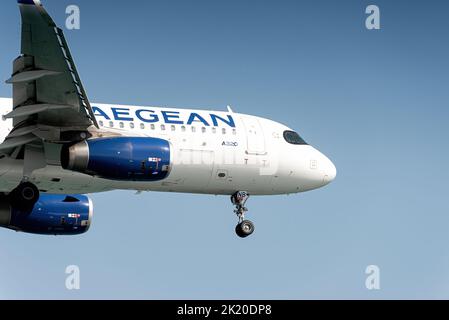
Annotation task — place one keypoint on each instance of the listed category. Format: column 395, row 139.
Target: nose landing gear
column 244, row 228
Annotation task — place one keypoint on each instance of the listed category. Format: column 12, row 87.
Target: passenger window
column 223, row 130
column 131, row 125
column 153, row 127
column 142, row 126
column 163, row 127
column 203, row 130
column 193, row 129
column 173, row 128
column 183, row 129
column 214, row 130
column 111, row 124
column 122, row 125
column 234, row 132
column 101, row 123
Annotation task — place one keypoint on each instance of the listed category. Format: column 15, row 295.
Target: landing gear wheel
column 25, row 196
column 244, row 229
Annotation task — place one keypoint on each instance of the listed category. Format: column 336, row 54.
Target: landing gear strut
column 24, row 196
column 244, row 228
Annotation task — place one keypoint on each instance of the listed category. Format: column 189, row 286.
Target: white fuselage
column 212, row 152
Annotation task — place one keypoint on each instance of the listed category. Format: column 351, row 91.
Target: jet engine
column 120, row 158
column 51, row 215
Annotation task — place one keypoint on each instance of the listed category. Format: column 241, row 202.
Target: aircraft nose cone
column 330, row 171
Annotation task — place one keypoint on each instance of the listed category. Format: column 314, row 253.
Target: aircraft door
column 254, row 136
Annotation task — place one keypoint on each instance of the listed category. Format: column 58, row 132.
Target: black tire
column 25, row 196
column 238, row 231
column 245, row 229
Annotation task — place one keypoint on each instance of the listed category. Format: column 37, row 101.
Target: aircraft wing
column 50, row 103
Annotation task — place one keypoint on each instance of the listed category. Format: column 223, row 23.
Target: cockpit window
column 293, row 138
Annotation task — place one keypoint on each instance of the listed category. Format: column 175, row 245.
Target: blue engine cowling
column 120, row 158
column 51, row 215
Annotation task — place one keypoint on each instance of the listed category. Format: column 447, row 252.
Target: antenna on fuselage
column 230, row 109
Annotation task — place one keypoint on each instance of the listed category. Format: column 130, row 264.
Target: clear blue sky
column 375, row 102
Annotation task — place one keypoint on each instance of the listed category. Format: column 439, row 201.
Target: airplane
column 57, row 146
